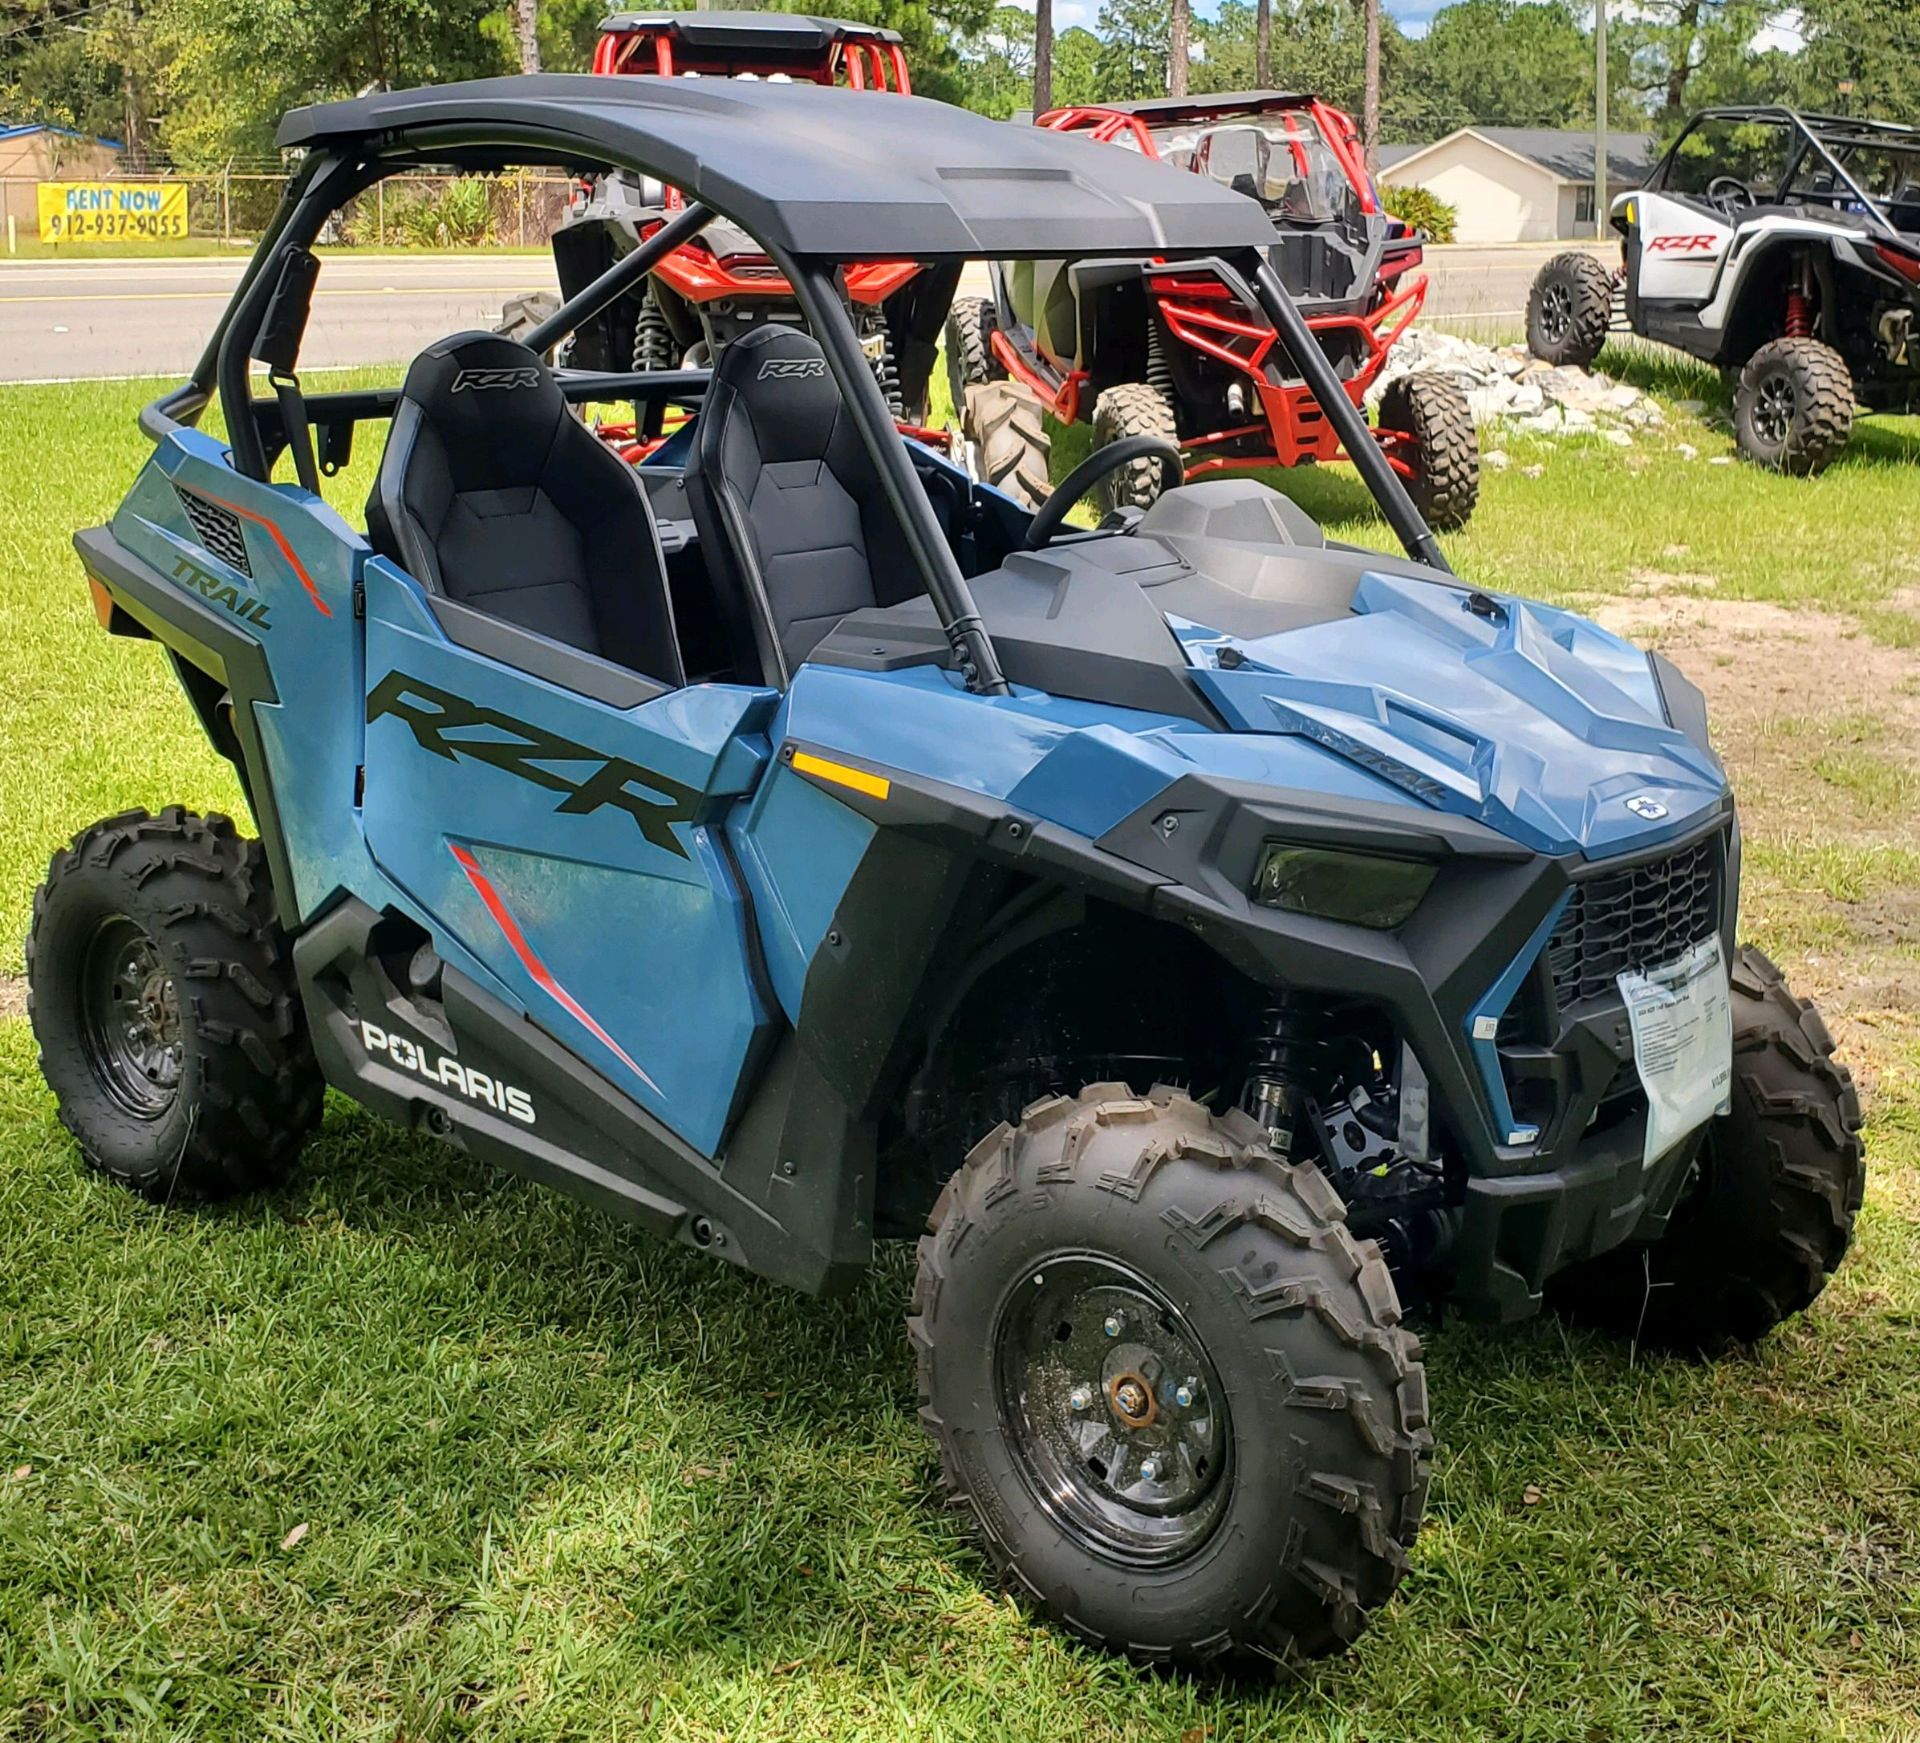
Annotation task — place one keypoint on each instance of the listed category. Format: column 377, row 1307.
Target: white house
column 1518, row 184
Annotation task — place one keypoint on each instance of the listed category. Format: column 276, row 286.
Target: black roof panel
column 1208, row 103
column 816, row 170
column 793, row 31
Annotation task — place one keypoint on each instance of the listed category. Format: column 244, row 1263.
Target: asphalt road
column 65, row 319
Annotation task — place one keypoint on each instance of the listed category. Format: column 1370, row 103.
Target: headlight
column 1363, row 889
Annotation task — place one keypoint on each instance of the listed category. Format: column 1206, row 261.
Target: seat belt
column 277, row 345
column 295, row 427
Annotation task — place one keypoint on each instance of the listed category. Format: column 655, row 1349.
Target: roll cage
column 1813, row 138
column 266, row 319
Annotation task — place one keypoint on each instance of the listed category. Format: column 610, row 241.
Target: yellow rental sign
column 112, row 211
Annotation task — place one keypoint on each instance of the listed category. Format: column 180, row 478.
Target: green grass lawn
column 414, row 1451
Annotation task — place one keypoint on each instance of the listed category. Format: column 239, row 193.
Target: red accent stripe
column 530, row 961
column 286, row 550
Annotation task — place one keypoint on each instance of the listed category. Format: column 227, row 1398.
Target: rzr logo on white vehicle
column 792, row 368
column 486, row 380
column 448, row 1073
column 1683, row 244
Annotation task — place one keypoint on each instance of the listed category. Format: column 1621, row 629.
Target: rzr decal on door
column 522, row 750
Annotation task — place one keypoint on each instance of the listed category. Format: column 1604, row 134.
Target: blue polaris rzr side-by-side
column 1203, row 935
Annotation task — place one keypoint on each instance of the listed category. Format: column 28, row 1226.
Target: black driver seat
column 492, row 494
column 793, row 523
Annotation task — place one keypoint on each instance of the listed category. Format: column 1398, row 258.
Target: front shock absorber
column 1799, row 323
column 1277, row 1090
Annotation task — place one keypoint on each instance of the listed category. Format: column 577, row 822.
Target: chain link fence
column 519, row 209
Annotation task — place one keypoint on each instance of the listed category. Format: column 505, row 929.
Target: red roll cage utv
column 1170, row 353
column 707, row 293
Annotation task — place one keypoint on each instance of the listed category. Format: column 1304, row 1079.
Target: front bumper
column 1537, row 1102
column 1516, row 1231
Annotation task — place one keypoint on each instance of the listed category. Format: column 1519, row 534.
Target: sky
column 1411, row 15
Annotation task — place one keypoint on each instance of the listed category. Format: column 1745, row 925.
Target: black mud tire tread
column 1327, row 1390
column 970, row 358
column 1823, row 410
column 1133, row 409
column 1775, row 1216
column 1005, row 427
column 1431, row 408
column 1589, row 287
column 250, row 1090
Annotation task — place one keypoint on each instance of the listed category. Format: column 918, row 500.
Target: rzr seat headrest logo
column 792, row 369
column 487, row 380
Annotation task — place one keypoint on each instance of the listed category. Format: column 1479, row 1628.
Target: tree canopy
column 204, row 82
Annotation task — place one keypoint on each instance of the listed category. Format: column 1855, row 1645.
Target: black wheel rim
column 1773, row 409
column 1112, row 1409
column 1556, row 312
column 132, row 1019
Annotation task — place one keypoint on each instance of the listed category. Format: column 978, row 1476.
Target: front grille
column 1634, row 919
column 217, row 528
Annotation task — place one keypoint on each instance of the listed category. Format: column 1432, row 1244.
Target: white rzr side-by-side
column 1781, row 246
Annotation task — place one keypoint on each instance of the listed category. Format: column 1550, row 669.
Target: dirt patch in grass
column 1818, row 718
column 13, row 996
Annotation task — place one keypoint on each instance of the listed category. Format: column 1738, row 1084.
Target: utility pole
column 1599, row 118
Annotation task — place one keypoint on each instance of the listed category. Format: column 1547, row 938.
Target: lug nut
column 1112, row 1325
column 1183, row 1394
column 1081, row 1398
column 1150, row 1470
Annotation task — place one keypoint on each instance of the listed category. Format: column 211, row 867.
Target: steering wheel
column 1727, row 192
column 1076, row 484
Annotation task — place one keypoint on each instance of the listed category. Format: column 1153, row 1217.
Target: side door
column 569, row 844
column 1684, row 222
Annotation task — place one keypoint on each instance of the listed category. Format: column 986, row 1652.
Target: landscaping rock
column 1504, row 384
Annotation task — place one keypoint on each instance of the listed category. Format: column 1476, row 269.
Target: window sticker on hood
column 1681, row 1016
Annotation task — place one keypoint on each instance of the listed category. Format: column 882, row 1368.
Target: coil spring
column 1159, row 371
column 1799, row 315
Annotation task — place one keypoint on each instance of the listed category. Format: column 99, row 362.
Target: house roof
column 25, row 129
column 1564, row 154
column 815, row 170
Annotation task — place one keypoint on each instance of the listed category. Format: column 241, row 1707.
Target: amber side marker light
column 102, row 601
column 874, row 786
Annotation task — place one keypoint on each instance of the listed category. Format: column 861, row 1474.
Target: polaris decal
column 243, row 606
column 446, row 1072
column 490, row 380
column 522, row 750
column 792, row 369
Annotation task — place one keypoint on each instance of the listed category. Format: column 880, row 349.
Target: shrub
column 1426, row 212
column 458, row 214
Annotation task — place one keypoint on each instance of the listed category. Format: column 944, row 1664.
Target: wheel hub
column 133, row 1027
column 1556, row 312
column 1113, row 1410
column 1773, row 409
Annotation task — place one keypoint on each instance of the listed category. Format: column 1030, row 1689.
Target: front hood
column 1529, row 719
